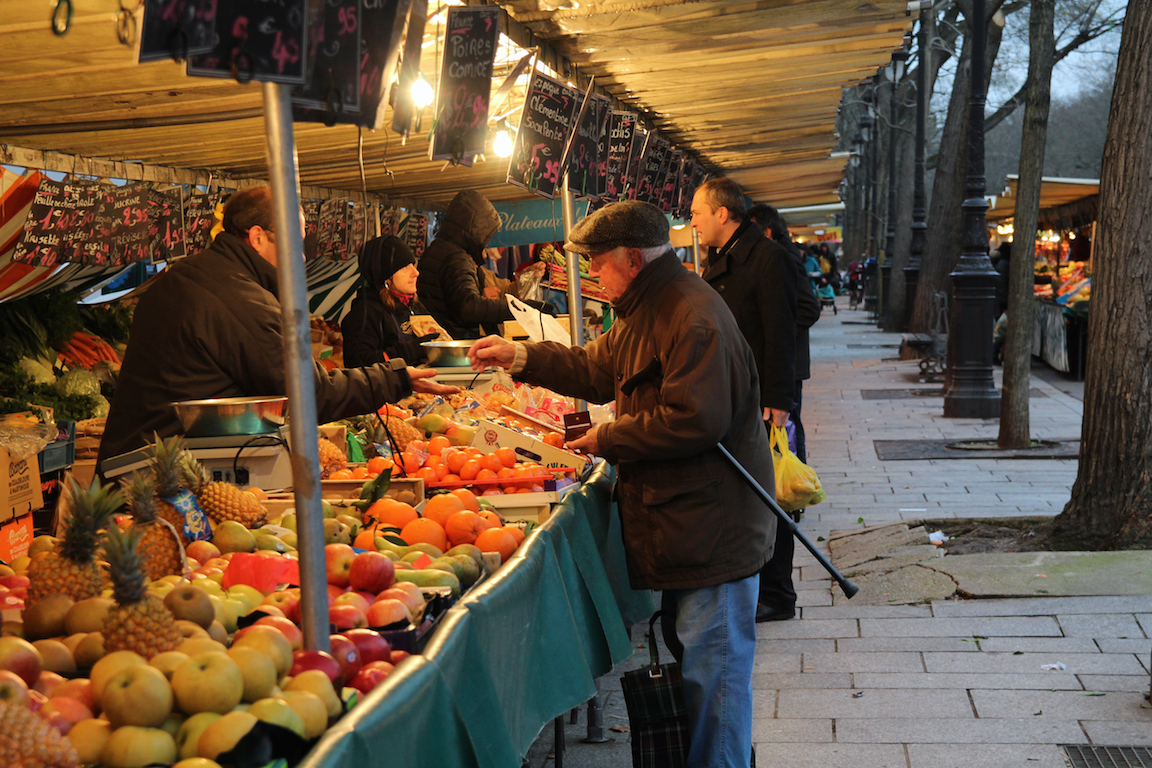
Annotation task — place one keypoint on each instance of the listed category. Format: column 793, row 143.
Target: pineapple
column 166, row 466
column 331, row 458
column 220, row 500
column 72, row 569
column 160, row 550
column 28, row 741
column 139, row 621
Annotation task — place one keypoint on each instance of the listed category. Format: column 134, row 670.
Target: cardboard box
column 515, row 507
column 491, row 436
column 19, row 486
column 15, row 537
column 513, row 330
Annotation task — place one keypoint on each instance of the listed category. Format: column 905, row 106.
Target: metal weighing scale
column 244, row 460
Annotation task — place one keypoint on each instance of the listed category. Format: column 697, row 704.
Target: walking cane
column 848, row 587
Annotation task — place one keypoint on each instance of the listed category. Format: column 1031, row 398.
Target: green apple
column 188, row 737
column 137, row 695
column 251, row 596
column 259, row 672
column 208, row 682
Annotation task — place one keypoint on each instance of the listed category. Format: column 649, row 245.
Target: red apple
column 370, row 597
column 202, row 551
column 55, row 719
column 79, row 688
column 64, row 713
column 302, row 661
column 372, row 572
column 387, row 611
column 338, row 558
column 355, row 599
column 284, row 600
column 399, row 656
column 409, row 599
column 265, row 610
column 371, row 676
column 346, row 617
column 372, row 645
column 13, row 689
column 21, row 657
column 286, row 627
column 347, row 655
column 334, row 592
column 48, row 682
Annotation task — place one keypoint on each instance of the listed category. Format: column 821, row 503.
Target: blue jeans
column 715, row 641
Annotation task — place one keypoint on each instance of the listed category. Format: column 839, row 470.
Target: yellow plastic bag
column 797, row 485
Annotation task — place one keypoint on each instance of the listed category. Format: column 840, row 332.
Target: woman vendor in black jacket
column 376, row 327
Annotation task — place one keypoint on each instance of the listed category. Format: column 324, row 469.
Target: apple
column 338, row 558
column 388, row 611
column 259, row 672
column 55, row 719
column 191, row 603
column 224, row 734
column 346, row 617
column 217, row 632
column 168, row 661
column 228, row 610
column 285, row 627
column 284, row 600
column 20, row 656
column 48, row 682
column 395, row 592
column 173, row 723
column 80, row 689
column 269, row 641
column 13, row 689
column 111, row 665
column 188, row 737
column 71, row 710
column 202, row 551
column 311, row 710
column 190, row 629
column 335, row 592
column 250, row 596
column 319, row 684
column 137, row 695
column 399, row 656
column 209, row 682
column 303, row 661
column 355, row 599
column 347, row 655
column 89, row 737
column 372, row 645
column 197, row 762
column 278, row 712
column 197, row 645
column 265, row 610
column 133, row 746
column 371, row 572
column 371, row 675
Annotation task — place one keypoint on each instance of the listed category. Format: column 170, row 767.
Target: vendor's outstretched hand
column 586, row 443
column 492, row 350
column 422, row 381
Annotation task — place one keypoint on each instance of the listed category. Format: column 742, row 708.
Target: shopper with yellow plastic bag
column 797, row 485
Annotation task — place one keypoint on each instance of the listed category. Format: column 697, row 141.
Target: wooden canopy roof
column 750, row 87
column 1055, row 193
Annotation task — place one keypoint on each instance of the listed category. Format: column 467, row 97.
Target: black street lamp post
column 919, row 212
column 895, row 72
column 868, row 163
column 972, row 393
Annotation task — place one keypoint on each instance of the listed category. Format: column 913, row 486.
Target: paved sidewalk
column 949, row 684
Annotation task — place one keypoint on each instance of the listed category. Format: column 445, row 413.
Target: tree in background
column 1111, row 505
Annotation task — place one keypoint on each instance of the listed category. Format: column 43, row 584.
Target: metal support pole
column 919, row 206
column 972, row 393
column 890, row 234
column 595, row 722
column 558, row 741
column 572, row 261
column 696, row 250
column 282, row 171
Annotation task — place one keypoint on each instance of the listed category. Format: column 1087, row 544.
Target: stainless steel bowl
column 448, row 354
column 224, row 416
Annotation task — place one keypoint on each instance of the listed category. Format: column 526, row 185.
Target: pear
column 46, row 618
column 288, row 521
column 231, row 536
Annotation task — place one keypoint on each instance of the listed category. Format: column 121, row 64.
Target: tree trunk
column 942, row 245
column 1015, row 426
column 1111, row 506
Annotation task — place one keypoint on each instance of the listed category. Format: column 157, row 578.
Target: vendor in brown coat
column 209, row 326
column 683, row 380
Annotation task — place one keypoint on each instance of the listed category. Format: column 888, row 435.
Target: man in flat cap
column 683, row 380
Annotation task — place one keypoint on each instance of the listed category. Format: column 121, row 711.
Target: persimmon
column 360, row 473
column 341, row 474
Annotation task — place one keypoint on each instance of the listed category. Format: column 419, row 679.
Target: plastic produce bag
column 797, row 485
column 23, row 437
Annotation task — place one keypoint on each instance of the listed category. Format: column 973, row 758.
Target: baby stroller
column 855, row 284
column 826, row 295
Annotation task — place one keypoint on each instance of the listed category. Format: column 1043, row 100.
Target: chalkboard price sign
column 257, row 40
column 545, row 125
column 334, row 50
column 465, row 82
column 655, row 158
column 199, row 216
column 584, row 158
column 332, row 231
column 640, row 141
column 41, row 243
column 684, row 190
column 620, row 129
column 177, row 29
column 671, row 181
column 603, row 115
column 165, row 225
column 120, row 230
column 416, row 234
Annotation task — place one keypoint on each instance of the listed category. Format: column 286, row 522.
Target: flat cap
column 631, row 224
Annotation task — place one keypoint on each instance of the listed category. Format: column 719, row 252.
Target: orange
column 411, row 462
column 486, row 474
column 505, row 472
column 517, row 533
column 392, row 512
column 463, row 527
column 497, row 540
column 491, row 462
column 494, row 520
column 554, row 439
column 359, row 473
column 438, row 444
column 450, row 478
column 469, row 469
column 378, row 464
column 454, row 459
column 468, row 498
column 257, row 492
column 434, row 461
column 441, row 471
column 341, row 474
column 425, row 531
column 366, row 539
column 427, row 474
column 507, row 456
column 441, row 507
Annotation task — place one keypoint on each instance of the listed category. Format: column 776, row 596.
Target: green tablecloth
column 524, row 647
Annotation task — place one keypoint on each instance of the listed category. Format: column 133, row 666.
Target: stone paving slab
column 1145, row 620
column 789, row 731
column 1118, row 625
column 1114, row 734
column 1041, row 645
column 845, row 661
column 1040, row 681
column 1129, row 683
column 765, row 646
column 1026, row 663
column 913, row 583
column 1062, row 705
column 1061, row 573
column 831, row 755
column 776, row 662
column 1042, row 606
column 883, row 644
column 815, row 628
column 1034, row 626
column 778, row 681
column 1116, row 645
column 985, row 755
column 957, row 731
column 876, row 704
column 851, row 610
column 808, row 599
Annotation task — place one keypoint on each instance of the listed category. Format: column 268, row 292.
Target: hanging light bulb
column 422, row 93
column 502, row 144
